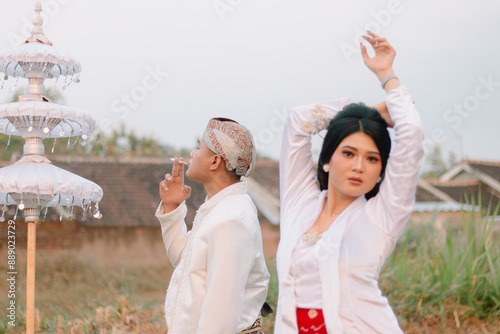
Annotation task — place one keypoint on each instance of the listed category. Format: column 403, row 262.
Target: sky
column 163, row 68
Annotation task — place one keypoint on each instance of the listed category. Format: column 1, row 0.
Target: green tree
column 120, row 142
column 436, row 164
column 52, row 93
column 9, row 145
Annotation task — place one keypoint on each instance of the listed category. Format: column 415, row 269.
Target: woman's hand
column 384, row 112
column 381, row 63
column 173, row 190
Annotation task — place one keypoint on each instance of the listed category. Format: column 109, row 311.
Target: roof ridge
column 110, row 159
column 483, row 162
column 452, row 183
column 434, row 191
column 129, row 159
column 267, row 163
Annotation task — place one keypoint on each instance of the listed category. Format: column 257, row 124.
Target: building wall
column 139, row 244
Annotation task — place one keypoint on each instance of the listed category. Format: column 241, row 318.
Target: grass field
column 437, row 282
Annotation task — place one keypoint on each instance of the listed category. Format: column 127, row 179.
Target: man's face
column 199, row 165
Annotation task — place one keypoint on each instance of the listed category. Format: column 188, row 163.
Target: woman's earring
column 379, row 179
column 326, row 168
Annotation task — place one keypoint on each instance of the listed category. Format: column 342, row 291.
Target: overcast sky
column 165, row 67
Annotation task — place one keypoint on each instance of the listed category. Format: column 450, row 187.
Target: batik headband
column 233, row 142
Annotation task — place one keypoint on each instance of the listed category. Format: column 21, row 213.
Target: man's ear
column 216, row 162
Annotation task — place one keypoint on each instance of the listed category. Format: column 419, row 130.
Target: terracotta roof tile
column 267, row 174
column 492, row 169
column 425, row 196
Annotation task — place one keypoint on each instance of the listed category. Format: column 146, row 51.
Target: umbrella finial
column 37, row 21
column 37, row 34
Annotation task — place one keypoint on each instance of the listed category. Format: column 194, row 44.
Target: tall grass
column 453, row 273
column 121, row 317
column 272, row 298
column 74, row 294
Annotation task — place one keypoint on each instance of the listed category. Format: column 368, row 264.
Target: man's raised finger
column 175, row 168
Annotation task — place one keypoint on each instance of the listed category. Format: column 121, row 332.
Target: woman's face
column 355, row 166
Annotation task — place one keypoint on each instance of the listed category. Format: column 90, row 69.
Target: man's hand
column 173, row 191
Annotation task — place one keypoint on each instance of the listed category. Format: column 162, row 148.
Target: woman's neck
column 332, row 208
column 336, row 202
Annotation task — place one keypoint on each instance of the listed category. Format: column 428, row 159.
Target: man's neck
column 213, row 187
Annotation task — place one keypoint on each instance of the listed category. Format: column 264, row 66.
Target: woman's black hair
column 355, row 117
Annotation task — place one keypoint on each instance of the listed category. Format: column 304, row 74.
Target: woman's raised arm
column 381, row 63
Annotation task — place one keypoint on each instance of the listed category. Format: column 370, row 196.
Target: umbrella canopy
column 33, row 182
column 38, row 58
column 43, row 120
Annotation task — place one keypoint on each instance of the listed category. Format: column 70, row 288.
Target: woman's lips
column 355, row 180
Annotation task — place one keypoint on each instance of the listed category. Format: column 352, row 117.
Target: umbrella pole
column 30, row 279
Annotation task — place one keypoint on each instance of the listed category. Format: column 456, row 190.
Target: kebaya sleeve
column 392, row 206
column 297, row 174
column 173, row 231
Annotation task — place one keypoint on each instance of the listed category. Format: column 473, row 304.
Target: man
column 220, row 279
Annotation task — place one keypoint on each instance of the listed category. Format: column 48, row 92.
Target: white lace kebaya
column 350, row 254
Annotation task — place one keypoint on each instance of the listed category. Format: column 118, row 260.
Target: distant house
column 477, row 176
column 445, row 199
column 459, row 187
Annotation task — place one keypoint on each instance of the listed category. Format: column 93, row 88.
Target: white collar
column 238, row 188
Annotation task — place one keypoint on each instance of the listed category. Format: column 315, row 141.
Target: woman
column 338, row 230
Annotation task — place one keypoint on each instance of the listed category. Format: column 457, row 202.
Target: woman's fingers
column 383, row 50
column 376, row 42
column 364, row 53
column 372, row 34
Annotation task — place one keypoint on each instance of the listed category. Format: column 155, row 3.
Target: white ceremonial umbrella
column 33, row 183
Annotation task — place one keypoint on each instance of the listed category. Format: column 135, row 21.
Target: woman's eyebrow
column 355, row 149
